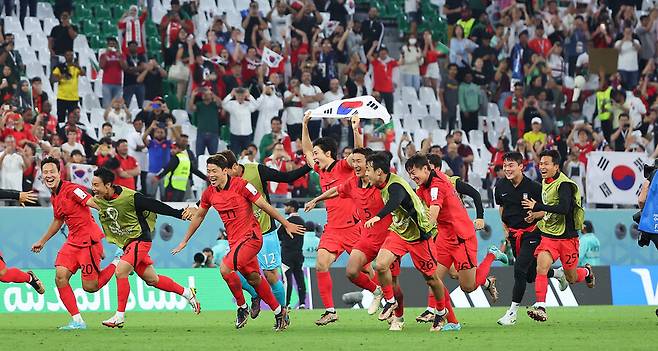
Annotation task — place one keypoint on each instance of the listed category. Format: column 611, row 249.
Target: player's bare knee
column 271, row 276
column 151, row 281
column 381, row 267
column 253, row 278
column 90, row 286
column 352, row 272
column 61, row 281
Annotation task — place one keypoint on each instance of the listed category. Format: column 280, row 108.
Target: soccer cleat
column 73, row 325
column 425, row 317
column 301, row 307
column 493, row 291
column 508, row 319
column 282, row 320
column 326, row 318
column 452, row 327
column 377, row 297
column 590, row 279
column 439, row 321
column 194, row 302
column 500, row 256
column 397, row 324
column 538, row 313
column 255, row 307
column 564, row 283
column 36, row 283
column 114, row 322
column 242, row 317
column 389, row 307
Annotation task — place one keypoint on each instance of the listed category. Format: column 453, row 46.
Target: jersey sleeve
column 79, row 195
column 345, row 189
column 437, row 192
column 205, row 199
column 249, row 191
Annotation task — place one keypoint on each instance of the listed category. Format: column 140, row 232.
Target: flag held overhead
column 364, row 106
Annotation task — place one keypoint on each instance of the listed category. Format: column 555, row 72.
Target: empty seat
column 409, row 95
column 429, row 123
column 45, row 10
column 399, row 108
column 12, row 25
column 32, row 25
column 96, row 119
column 418, row 110
column 20, row 40
column 493, row 111
column 411, row 123
column 34, row 69
column 427, row 96
column 439, row 136
column 49, row 23
column 182, row 118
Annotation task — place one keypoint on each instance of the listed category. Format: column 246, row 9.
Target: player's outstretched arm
column 54, row 227
column 272, row 175
column 195, row 223
column 329, row 194
column 291, row 228
column 23, row 197
column 307, row 143
column 144, row 203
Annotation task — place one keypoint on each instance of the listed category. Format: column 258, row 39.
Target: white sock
column 77, row 318
column 430, row 309
column 514, row 307
column 540, row 304
column 243, row 306
column 277, row 310
column 331, row 310
column 187, row 293
column 558, row 273
column 119, row 314
column 392, row 300
column 486, row 283
column 443, row 312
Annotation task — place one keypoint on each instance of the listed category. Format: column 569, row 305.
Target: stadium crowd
column 218, row 81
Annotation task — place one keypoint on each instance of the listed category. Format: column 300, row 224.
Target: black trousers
column 295, row 271
column 525, row 265
column 388, row 101
column 64, row 107
column 26, row 5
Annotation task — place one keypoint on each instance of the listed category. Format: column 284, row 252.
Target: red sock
column 68, row 299
column 123, row 291
column 541, row 286
column 399, row 297
column 265, row 293
column 234, row 284
column 325, row 289
column 431, row 302
column 105, row 275
column 167, row 284
column 451, row 313
column 363, row 281
column 440, row 304
column 482, row 271
column 582, row 274
column 15, row 275
column 388, row 292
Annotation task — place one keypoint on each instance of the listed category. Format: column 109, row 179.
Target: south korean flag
column 614, row 178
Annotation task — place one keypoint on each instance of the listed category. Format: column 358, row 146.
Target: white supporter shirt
column 330, row 96
column 310, row 90
column 11, row 174
column 134, row 139
column 68, row 148
column 294, row 114
column 268, row 106
column 627, row 55
column 280, row 22
column 240, row 114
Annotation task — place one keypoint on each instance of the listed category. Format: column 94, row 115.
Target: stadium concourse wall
column 627, row 275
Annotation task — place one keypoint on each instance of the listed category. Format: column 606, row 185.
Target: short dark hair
column 380, row 160
column 553, row 154
column 107, row 124
column 277, row 118
column 514, row 156
column 218, row 160
column 207, row 249
column 106, row 176
column 252, row 145
column 435, row 160
column 416, row 161
column 75, row 152
column 435, row 146
column 365, row 151
column 48, row 160
column 111, row 39
column 199, row 258
column 121, row 141
column 35, row 79
column 229, row 156
column 453, row 65
column 327, row 144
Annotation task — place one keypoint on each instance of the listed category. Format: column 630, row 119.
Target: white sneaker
column 377, row 297
column 397, row 324
column 114, row 322
column 508, row 319
column 564, row 284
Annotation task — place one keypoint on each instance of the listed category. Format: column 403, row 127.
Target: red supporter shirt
column 233, row 203
column 340, row 211
column 125, row 163
column 112, row 71
column 294, row 54
column 584, row 150
column 368, row 202
column 383, row 75
column 207, row 49
column 453, row 221
column 70, row 204
column 249, row 69
column 25, row 134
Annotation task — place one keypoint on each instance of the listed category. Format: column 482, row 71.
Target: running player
column 12, row 274
column 232, row 198
column 564, row 217
column 128, row 220
column 368, row 202
column 411, row 232
column 342, row 230
column 83, row 248
column 456, row 242
column 269, row 257
column 520, row 227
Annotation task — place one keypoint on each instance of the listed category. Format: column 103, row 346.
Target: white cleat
column 194, row 302
column 377, row 297
column 397, row 324
column 564, row 284
column 114, row 322
column 508, row 319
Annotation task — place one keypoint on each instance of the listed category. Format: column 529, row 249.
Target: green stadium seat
column 103, row 13
column 90, row 27
column 154, row 44
column 83, row 13
column 108, row 26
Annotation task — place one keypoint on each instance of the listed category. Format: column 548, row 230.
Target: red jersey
column 340, row 211
column 233, row 203
column 70, row 204
column 382, row 75
column 368, row 202
column 453, row 221
column 125, row 164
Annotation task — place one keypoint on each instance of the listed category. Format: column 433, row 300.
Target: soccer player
column 269, row 256
column 368, row 202
column 564, row 217
column 342, row 230
column 520, row 227
column 12, row 274
column 456, row 240
column 128, row 220
column 83, row 248
column 411, row 232
column 233, row 197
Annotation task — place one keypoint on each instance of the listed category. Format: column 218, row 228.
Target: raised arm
column 307, row 143
column 290, row 227
column 195, row 223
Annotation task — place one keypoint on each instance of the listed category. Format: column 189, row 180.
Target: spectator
column 575, row 169
column 292, row 255
column 205, row 116
column 455, row 161
column 152, row 77
column 67, row 74
column 8, row 85
column 250, row 23
column 210, row 258
column 221, row 247
column 11, row 57
column 590, row 247
column 627, row 63
column 467, row 20
column 269, row 105
column 463, row 150
column 334, row 93
column 520, row 57
column 199, row 260
column 619, row 138
column 497, row 152
column 128, row 167
column 156, row 111
column 39, row 97
column 117, row 113
column 647, row 39
column 26, row 5
column 306, row 18
column 280, row 20
column 535, row 134
column 138, row 150
column 239, row 105
column 539, row 44
column 249, row 155
column 110, row 62
column 279, row 160
column 372, row 30
column 382, row 74
column 513, row 106
column 449, row 97
column 133, row 65
column 176, row 174
column 173, row 22
column 159, row 152
column 11, row 166
column 411, row 58
column 131, row 28
column 60, row 41
column 470, row 99
column 310, row 95
column 461, row 48
column 72, row 143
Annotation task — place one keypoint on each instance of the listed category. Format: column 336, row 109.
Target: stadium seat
column 28, row 55
column 49, row 23
column 400, row 109
column 102, row 13
column 476, row 138
column 89, row 100
column 182, row 118
column 32, row 25
column 418, row 110
column 427, row 96
column 502, row 127
column 80, row 43
column 96, row 119
column 20, row 40
column 157, row 12
column 429, row 123
column 208, row 6
column 409, row 95
column 411, row 123
column 12, row 25
column 435, row 111
column 264, row 6
column 34, row 69
column 45, row 10
column 492, row 111
column 243, row 4
column 439, row 137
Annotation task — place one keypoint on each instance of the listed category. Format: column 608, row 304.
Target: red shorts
column 87, row 259
column 137, row 255
column 370, row 242
column 243, row 256
column 564, row 249
column 338, row 240
column 2, row 263
column 462, row 253
column 423, row 252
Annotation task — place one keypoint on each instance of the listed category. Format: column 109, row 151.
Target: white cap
column 536, row 120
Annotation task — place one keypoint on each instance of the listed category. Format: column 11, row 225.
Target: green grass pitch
column 576, row 328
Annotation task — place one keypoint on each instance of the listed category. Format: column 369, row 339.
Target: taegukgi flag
column 271, row 58
column 614, row 177
column 364, row 106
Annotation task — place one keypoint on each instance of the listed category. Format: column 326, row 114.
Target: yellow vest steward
column 181, row 174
